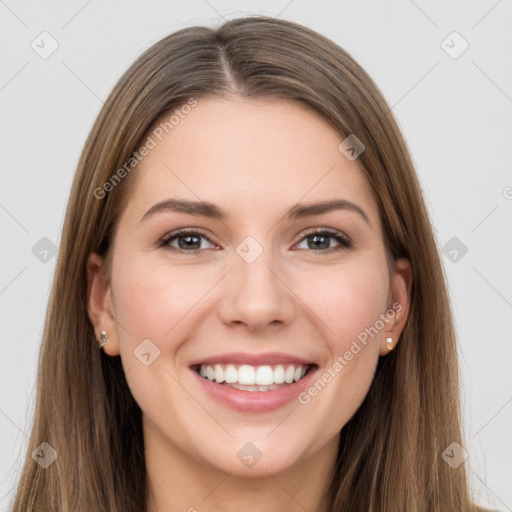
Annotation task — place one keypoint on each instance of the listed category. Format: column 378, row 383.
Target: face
column 287, row 306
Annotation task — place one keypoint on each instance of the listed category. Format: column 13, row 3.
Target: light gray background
column 455, row 114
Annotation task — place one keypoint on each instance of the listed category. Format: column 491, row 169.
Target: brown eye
column 187, row 241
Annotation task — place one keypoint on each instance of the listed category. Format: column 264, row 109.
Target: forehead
column 247, row 154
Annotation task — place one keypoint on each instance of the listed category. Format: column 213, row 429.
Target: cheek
column 152, row 298
column 152, row 301
column 351, row 303
column 350, row 299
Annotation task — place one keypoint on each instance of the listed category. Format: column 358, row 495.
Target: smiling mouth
column 254, row 378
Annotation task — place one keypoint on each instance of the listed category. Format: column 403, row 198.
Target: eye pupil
column 190, row 240
column 319, row 238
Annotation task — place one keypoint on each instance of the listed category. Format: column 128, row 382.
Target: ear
column 100, row 304
column 399, row 302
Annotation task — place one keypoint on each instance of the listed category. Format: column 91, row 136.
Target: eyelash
column 344, row 242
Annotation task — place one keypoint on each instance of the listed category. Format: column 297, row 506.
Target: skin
column 254, row 159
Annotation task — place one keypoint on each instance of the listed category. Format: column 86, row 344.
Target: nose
column 257, row 296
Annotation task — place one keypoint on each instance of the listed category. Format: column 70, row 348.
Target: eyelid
column 330, row 231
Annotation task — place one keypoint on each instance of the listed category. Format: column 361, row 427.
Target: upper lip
column 266, row 358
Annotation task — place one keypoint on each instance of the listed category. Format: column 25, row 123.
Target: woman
column 247, row 242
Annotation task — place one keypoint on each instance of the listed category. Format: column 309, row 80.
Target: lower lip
column 255, row 401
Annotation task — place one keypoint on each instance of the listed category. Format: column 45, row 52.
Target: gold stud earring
column 103, row 340
column 389, row 342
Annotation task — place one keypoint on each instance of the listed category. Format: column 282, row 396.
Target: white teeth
column 255, row 388
column 245, row 388
column 279, row 374
column 246, row 375
column 253, row 378
column 264, row 376
column 289, row 374
column 231, row 374
column 219, row 373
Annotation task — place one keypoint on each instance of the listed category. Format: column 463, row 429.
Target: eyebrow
column 210, row 210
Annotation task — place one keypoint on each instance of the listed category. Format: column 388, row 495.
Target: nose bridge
column 256, row 296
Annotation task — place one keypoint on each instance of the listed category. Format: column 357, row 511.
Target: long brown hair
column 390, row 451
